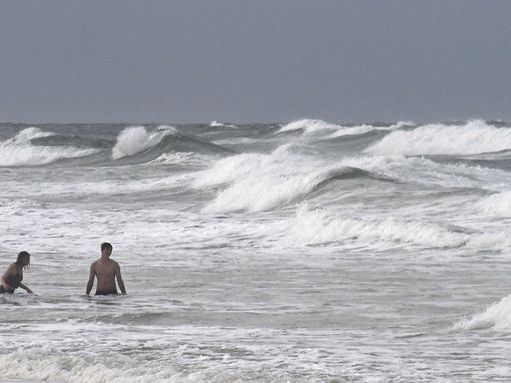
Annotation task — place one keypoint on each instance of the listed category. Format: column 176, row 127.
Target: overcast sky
column 254, row 61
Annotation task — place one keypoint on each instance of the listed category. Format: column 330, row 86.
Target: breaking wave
column 311, row 127
column 20, row 151
column 313, row 226
column 28, row 134
column 217, row 124
column 471, row 138
column 498, row 204
column 317, row 226
column 257, row 182
column 180, row 158
column 137, row 145
column 136, row 139
column 497, row 316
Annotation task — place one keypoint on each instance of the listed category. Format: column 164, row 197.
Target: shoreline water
column 309, row 252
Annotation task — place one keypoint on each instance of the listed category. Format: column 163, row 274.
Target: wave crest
column 136, row 139
column 310, row 127
column 19, row 150
column 258, row 182
column 316, row 226
column 497, row 316
column 498, row 204
column 28, row 134
column 471, row 138
column 180, row 158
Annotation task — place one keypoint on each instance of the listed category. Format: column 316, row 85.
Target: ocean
column 310, row 251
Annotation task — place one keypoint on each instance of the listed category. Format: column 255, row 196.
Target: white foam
column 361, row 129
column 113, row 186
column 496, row 316
column 320, row 226
column 493, row 240
column 316, row 226
column 352, row 131
column 136, row 139
column 311, row 127
column 215, row 124
column 236, row 141
column 179, row 158
column 79, row 369
column 472, row 138
column 401, row 124
column 498, row 204
column 420, row 170
column 257, row 182
column 19, row 151
column 28, row 134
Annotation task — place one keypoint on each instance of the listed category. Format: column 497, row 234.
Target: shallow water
column 311, row 252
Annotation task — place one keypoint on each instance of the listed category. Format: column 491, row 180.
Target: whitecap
column 136, row 139
column 471, row 138
column 497, row 316
column 498, row 204
column 19, row 151
column 317, row 226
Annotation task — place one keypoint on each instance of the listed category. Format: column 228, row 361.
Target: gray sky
column 254, row 61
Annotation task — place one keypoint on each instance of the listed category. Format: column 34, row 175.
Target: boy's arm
column 119, row 279
column 90, row 283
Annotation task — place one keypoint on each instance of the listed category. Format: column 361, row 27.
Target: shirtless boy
column 106, row 270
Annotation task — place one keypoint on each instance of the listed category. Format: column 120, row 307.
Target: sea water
column 302, row 252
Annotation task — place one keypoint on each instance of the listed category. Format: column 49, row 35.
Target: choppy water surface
column 301, row 252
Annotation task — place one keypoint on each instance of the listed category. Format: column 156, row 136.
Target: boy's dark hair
column 106, row 245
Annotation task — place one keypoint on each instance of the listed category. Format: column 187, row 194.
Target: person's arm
column 90, row 283
column 26, row 288
column 119, row 279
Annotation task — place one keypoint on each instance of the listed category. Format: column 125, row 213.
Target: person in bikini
column 13, row 276
column 106, row 271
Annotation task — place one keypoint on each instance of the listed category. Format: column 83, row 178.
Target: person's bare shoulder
column 115, row 263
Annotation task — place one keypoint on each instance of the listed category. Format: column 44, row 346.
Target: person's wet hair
column 22, row 255
column 106, row 245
